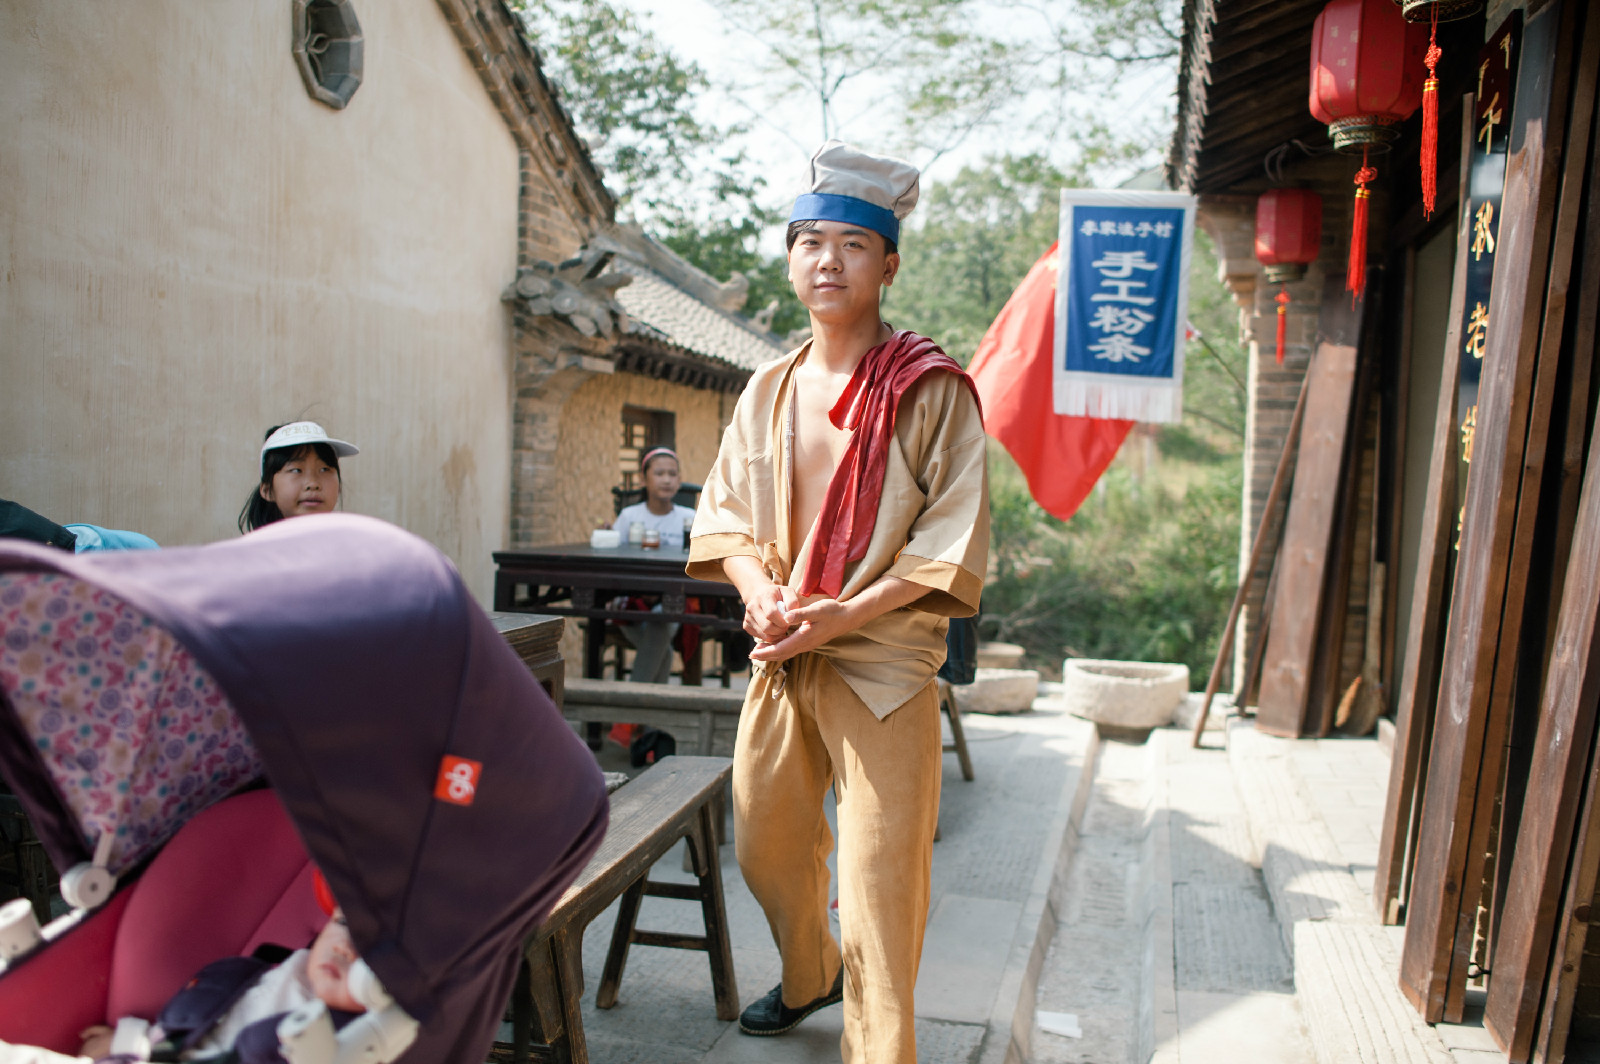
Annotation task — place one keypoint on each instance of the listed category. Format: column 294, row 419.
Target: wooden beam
column 1249, row 687
column 1455, row 770
column 1585, row 348
column 1566, row 719
column 1328, row 660
column 1502, row 694
column 1280, row 480
column 1571, row 931
column 1419, row 673
column 1286, row 674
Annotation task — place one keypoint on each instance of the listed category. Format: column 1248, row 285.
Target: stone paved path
column 994, row 834
column 1165, row 910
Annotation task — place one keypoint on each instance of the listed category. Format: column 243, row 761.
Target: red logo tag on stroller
column 458, row 780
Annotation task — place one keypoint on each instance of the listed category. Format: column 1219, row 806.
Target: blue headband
column 827, row 207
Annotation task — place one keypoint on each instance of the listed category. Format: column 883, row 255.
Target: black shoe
column 771, row 1016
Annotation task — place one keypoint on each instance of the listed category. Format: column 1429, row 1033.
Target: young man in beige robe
column 850, row 626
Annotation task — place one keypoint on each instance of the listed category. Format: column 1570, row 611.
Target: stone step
column 1166, row 949
column 1345, row 966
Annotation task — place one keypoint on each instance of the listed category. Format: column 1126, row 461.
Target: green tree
column 634, row 101
column 930, row 66
column 1082, row 56
column 1215, row 364
column 971, row 241
column 1146, row 568
column 1144, row 571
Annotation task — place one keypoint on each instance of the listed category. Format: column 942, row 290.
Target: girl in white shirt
column 659, row 470
column 652, row 640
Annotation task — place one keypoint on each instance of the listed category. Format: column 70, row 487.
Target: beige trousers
column 886, row 777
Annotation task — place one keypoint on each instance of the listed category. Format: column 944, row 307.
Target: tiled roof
column 663, row 312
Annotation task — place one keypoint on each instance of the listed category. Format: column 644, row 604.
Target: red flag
column 1062, row 457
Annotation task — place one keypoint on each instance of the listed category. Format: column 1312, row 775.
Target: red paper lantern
column 1366, row 72
column 1288, row 236
column 1288, row 232
column 1365, row 60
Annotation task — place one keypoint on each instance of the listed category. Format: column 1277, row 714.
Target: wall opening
column 328, row 49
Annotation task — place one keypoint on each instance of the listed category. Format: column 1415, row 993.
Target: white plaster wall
column 192, row 249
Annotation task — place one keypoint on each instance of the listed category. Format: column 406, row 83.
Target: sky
column 782, row 134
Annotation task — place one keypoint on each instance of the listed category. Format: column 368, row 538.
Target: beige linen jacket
column 932, row 527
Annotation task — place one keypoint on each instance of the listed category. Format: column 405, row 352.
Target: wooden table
column 577, row 580
column 537, row 640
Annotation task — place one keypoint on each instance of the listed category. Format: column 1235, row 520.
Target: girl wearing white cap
column 299, row 475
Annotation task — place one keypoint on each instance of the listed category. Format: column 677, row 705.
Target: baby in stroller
column 410, row 755
column 235, row 1005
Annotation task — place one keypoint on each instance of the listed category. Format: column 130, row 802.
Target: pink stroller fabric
column 233, row 878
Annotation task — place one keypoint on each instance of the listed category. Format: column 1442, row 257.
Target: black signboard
column 1497, row 69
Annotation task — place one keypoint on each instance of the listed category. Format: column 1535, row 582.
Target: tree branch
column 1232, row 430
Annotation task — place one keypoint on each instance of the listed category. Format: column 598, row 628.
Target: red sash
column 867, row 408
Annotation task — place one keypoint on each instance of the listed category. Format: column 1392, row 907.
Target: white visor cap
column 302, row 433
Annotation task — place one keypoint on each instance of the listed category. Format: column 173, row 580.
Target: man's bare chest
column 817, row 443
column 816, row 449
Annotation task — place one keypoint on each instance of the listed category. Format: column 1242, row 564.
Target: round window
column 327, row 48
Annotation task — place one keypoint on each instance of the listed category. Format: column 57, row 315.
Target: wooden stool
column 671, row 800
column 947, row 703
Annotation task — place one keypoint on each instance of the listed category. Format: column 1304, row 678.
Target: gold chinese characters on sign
column 1477, row 329
column 1483, row 230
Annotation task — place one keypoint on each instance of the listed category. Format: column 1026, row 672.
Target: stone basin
column 999, row 691
column 999, row 656
column 1124, row 694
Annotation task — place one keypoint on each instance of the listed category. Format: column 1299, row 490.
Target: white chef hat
column 858, row 188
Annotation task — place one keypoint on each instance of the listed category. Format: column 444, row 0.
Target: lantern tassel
column 1283, row 319
column 1356, row 276
column 1430, row 121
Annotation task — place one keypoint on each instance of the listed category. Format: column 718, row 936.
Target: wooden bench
column 703, row 720
column 710, row 715
column 669, row 801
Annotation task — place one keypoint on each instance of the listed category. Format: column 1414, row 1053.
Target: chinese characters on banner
column 1121, row 299
column 1497, row 67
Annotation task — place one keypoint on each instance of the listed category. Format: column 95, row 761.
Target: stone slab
column 817, row 1041
column 964, row 956
column 1228, row 941
column 1345, row 977
column 1102, row 951
column 1234, row 1028
column 1009, row 1039
column 1345, row 964
column 998, row 691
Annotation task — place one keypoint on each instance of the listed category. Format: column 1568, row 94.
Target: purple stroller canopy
column 361, row 670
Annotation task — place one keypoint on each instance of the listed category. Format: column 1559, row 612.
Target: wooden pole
column 1257, row 651
column 1274, row 494
column 1419, row 672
